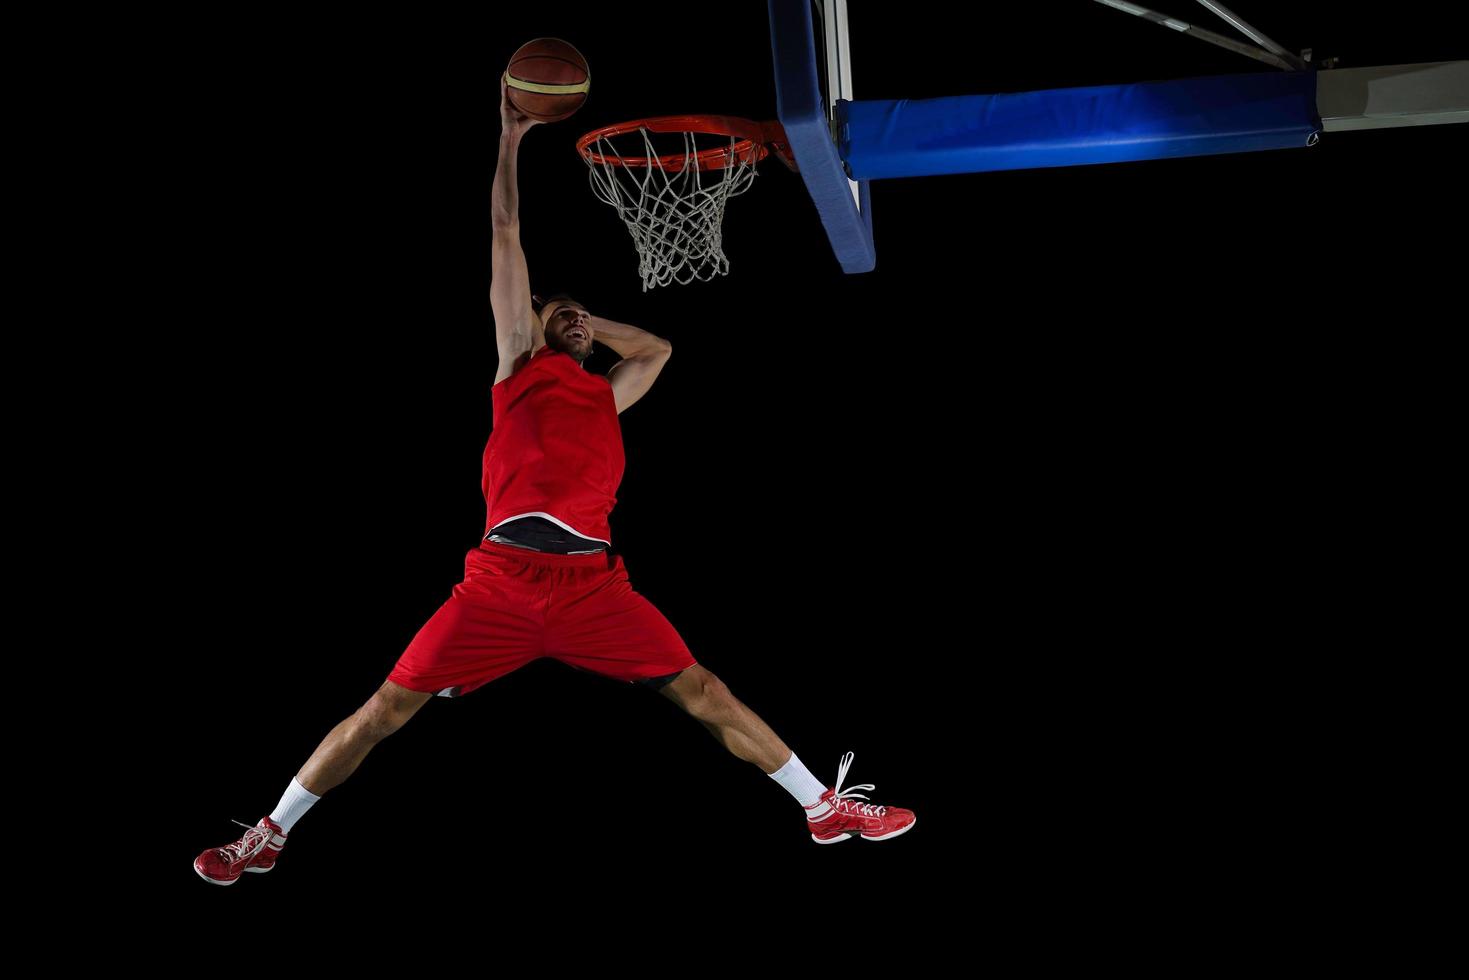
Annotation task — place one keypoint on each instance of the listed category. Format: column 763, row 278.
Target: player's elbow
column 506, row 238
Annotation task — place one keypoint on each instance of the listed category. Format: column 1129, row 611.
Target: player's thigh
column 598, row 622
column 488, row 628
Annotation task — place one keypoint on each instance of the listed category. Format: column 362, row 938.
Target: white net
column 675, row 211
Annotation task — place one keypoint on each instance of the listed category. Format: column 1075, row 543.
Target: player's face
column 568, row 329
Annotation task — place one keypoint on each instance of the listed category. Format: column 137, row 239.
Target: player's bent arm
column 624, row 338
column 632, row 376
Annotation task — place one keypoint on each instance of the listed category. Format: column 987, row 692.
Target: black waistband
column 539, row 534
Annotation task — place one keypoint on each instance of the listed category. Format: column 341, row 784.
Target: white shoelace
column 843, row 801
column 250, row 843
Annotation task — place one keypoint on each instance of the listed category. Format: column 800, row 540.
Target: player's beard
column 579, row 351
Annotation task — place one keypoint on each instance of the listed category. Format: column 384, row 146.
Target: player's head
column 561, row 315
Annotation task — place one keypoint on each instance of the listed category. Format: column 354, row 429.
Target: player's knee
column 388, row 710
column 696, row 688
column 376, row 722
column 711, row 687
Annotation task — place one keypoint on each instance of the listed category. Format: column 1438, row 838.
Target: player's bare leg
column 738, row 729
column 338, row 755
column 831, row 816
column 344, row 748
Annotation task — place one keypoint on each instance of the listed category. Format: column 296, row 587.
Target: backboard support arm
column 1287, row 63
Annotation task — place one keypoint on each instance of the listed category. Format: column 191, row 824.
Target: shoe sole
column 216, row 881
column 842, row 837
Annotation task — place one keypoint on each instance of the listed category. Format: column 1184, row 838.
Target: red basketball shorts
column 516, row 605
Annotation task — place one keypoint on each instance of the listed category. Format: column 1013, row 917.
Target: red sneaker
column 255, row 852
column 847, row 817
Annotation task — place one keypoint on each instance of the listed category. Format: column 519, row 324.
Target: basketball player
column 543, row 580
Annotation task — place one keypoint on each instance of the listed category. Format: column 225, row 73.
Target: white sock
column 806, row 788
column 296, row 801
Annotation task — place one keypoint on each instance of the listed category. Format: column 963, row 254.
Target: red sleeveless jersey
column 555, row 447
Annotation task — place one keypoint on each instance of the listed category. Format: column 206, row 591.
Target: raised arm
column 517, row 328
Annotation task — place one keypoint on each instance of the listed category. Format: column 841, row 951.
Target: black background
column 1026, row 518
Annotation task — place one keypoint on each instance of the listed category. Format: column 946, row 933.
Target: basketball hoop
column 671, row 193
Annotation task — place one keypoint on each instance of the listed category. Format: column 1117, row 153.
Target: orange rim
column 751, row 148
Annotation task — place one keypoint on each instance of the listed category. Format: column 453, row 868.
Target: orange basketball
column 547, row 79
